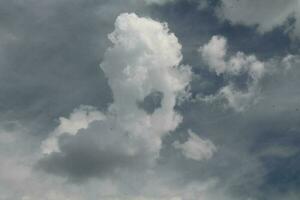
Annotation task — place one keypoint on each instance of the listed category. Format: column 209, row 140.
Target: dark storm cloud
column 91, row 153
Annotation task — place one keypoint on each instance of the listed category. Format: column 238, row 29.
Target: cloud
column 144, row 59
column 17, row 174
column 148, row 58
column 214, row 54
column 236, row 99
column 94, row 156
column 265, row 14
column 79, row 119
column 196, row 148
column 290, row 61
column 159, row 2
column 86, row 155
column 95, row 152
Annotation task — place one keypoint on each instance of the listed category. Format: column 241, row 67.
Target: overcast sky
column 149, row 99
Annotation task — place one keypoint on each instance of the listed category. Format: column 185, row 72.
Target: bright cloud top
column 144, row 59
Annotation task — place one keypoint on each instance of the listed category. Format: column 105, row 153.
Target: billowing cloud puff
column 214, row 54
column 79, row 119
column 196, row 148
column 148, row 59
column 144, row 60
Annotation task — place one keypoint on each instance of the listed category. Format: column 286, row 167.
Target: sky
column 149, row 99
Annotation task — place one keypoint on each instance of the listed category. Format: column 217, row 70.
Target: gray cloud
column 126, row 132
column 50, row 53
column 92, row 152
column 246, row 159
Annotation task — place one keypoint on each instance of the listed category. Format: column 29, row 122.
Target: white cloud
column 80, row 118
column 214, row 54
column 236, row 99
column 144, row 58
column 196, row 148
column 266, row 14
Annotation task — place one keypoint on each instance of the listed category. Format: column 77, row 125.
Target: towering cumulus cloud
column 143, row 60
